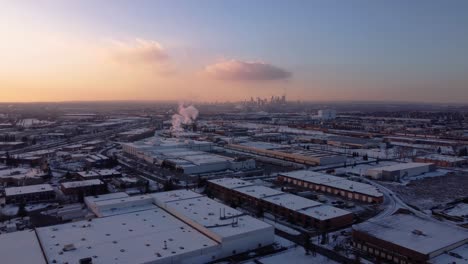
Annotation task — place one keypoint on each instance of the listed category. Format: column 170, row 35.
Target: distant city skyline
column 233, row 50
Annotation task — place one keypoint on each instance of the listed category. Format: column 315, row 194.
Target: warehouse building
column 406, row 239
column 292, row 208
column 234, row 230
column 13, row 248
column 150, row 236
column 32, row 193
column 118, row 203
column 308, row 157
column 398, row 171
column 334, row 185
column 442, row 160
column 188, row 157
column 135, row 134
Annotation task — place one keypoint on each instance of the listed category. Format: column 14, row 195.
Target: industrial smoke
column 185, row 116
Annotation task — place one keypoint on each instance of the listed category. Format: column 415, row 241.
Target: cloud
column 237, row 70
column 140, row 51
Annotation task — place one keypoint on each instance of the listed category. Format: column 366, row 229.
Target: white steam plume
column 185, row 116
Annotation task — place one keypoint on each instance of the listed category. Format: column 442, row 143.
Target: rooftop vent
column 69, row 247
column 418, row 232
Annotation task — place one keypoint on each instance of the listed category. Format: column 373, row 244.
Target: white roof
column 259, row 191
column 324, row 212
column 75, row 184
column 420, row 235
column 402, row 166
column 206, row 158
column 231, row 183
column 123, row 205
column 334, row 181
column 207, row 213
column 28, row 189
column 291, row 201
column 106, row 172
column 88, row 174
column 450, row 257
column 20, row 247
column 129, row 238
column 439, row 157
column 163, row 197
column 103, row 197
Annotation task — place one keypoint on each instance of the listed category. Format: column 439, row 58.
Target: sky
column 215, row 50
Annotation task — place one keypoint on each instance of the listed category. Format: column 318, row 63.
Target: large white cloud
column 238, row 70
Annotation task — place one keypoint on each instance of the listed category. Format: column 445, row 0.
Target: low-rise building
column 442, row 160
column 149, row 236
column 406, row 239
column 334, row 185
column 292, row 208
column 20, row 247
column 78, row 189
column 27, row 194
column 398, row 171
column 234, row 230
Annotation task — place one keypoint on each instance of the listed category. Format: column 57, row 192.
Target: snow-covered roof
column 122, row 205
column 217, row 220
column 421, row 235
column 76, row 184
column 163, row 197
column 258, row 191
column 86, row 174
column 438, row 157
column 292, row 202
column 458, row 255
column 20, row 247
column 28, row 189
column 231, row 183
column 334, row 181
column 402, row 166
column 150, row 236
column 103, row 197
column 324, row 212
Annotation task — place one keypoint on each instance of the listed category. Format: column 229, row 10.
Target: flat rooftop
column 103, row 197
column 231, row 183
column 334, row 181
column 420, row 235
column 402, row 166
column 291, row 201
column 164, row 197
column 28, row 189
column 139, row 237
column 76, row 184
column 20, row 247
column 216, row 217
column 258, row 191
column 447, row 158
column 324, row 212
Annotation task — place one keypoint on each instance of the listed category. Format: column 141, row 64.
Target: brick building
column 292, row 208
column 325, row 183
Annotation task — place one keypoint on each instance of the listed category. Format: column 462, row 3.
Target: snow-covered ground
column 460, row 209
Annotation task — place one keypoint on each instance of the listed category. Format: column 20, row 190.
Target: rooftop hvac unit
column 69, row 247
column 87, row 260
